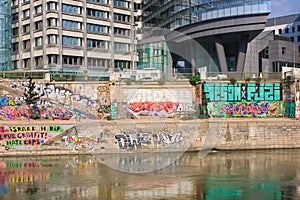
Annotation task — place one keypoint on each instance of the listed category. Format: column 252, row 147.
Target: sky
column 284, row 7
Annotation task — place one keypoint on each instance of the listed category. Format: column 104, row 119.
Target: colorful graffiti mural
column 226, row 92
column 77, row 142
column 244, row 100
column 160, row 108
column 59, row 101
column 29, row 136
column 246, row 109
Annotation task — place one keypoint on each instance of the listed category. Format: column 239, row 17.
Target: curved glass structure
column 5, row 35
column 213, row 9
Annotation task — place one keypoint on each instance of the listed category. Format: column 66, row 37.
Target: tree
column 193, row 81
column 31, row 97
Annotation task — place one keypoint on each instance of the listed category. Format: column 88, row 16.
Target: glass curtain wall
column 213, row 9
column 5, row 35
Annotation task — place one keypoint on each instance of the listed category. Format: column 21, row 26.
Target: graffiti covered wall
column 29, row 136
column 61, row 101
column 159, row 101
column 244, row 100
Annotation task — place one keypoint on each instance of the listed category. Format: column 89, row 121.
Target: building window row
column 26, row 13
column 97, row 62
column 100, row 44
column 52, row 39
column 15, row 31
column 72, row 24
column 119, row 46
column 93, row 28
column 26, row 44
column 38, row 9
column 15, row 17
column 26, row 28
column 122, row 32
column 52, row 6
column 71, row 9
column 26, row 62
column 38, row 42
column 15, row 46
column 52, row 59
column 72, row 60
column 38, row 61
column 121, row 17
column 122, row 64
column 25, row 1
column 14, row 3
column 38, row 25
column 97, row 13
column 51, row 22
column 121, row 4
column 71, row 41
column 98, row 1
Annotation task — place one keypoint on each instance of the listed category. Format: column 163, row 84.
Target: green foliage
column 233, row 80
column 193, row 81
column 161, row 81
column 128, row 81
column 258, row 80
column 108, row 118
column 247, row 78
column 31, row 96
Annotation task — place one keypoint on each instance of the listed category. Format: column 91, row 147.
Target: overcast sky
column 284, row 7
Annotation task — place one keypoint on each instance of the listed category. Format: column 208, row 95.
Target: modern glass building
column 215, row 9
column 210, row 34
column 5, row 35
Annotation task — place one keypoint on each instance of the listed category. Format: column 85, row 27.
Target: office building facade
column 5, row 35
column 68, row 35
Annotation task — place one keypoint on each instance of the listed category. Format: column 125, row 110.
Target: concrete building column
column 221, row 54
column 242, row 53
column 193, row 58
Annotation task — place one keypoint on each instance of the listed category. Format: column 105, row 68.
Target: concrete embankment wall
column 252, row 134
column 136, row 137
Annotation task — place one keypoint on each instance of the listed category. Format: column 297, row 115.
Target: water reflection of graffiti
column 126, row 141
column 246, row 109
column 290, row 109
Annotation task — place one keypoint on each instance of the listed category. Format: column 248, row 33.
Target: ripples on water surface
column 265, row 175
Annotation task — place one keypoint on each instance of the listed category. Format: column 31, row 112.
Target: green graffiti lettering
column 13, row 142
column 55, row 129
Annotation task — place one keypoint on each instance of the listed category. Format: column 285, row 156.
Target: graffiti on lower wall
column 141, row 140
column 76, row 142
column 29, row 136
column 246, row 109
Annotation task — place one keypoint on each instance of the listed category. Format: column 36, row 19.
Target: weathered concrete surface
column 223, row 134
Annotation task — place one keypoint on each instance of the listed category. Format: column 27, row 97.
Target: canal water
column 265, row 175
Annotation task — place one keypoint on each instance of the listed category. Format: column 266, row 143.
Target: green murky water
column 265, row 175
